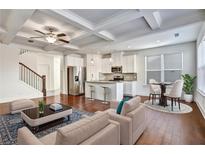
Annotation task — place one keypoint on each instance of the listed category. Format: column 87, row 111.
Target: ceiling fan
column 51, row 37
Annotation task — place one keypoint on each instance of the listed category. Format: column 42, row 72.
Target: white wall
column 57, row 72
column 199, row 97
column 189, row 61
column 11, row 88
column 45, row 64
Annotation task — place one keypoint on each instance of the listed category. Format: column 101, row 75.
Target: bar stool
column 92, row 92
column 106, row 92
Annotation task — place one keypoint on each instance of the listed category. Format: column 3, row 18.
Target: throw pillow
column 120, row 105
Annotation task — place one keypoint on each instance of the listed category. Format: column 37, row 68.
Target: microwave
column 116, row 69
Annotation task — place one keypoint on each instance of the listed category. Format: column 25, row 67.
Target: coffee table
column 34, row 119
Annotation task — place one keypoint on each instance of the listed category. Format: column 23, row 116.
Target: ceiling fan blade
column 62, row 40
column 39, row 32
column 61, row 35
column 37, row 37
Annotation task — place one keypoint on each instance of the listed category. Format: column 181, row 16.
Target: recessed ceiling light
column 128, row 46
column 158, row 41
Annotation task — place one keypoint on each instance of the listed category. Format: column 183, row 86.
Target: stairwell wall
column 45, row 64
column 11, row 88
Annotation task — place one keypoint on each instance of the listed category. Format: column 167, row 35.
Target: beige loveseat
column 97, row 129
column 132, row 120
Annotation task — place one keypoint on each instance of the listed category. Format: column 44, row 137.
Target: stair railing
column 32, row 78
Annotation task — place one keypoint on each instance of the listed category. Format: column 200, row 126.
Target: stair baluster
column 32, row 78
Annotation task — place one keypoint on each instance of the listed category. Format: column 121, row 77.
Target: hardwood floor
column 163, row 128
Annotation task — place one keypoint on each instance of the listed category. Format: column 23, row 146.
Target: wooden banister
column 30, row 69
column 44, row 85
column 32, row 78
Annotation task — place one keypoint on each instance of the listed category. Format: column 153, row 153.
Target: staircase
column 32, row 78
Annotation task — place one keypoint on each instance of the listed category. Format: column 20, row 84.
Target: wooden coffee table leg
column 24, row 122
column 68, row 117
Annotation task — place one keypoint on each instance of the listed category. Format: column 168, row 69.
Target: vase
column 41, row 109
column 188, row 98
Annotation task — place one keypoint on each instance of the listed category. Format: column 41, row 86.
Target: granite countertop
column 103, row 82
column 110, row 82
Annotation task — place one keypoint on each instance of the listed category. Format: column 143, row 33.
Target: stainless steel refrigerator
column 76, row 80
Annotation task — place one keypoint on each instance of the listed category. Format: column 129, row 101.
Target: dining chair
column 175, row 93
column 155, row 90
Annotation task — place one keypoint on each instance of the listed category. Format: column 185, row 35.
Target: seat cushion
column 22, row 104
column 81, row 130
column 49, row 139
column 131, row 105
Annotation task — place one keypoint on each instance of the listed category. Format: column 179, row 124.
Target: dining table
column 163, row 99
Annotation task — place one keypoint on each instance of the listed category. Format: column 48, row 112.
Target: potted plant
column 188, row 87
column 41, row 106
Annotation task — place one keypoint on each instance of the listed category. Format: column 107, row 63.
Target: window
column 165, row 67
column 153, row 67
column 201, row 67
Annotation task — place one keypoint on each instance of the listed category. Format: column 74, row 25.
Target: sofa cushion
column 49, row 139
column 110, row 135
column 81, row 130
column 131, row 105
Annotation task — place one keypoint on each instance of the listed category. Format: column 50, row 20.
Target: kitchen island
column 115, row 90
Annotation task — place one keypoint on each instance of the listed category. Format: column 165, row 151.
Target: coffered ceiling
column 101, row 30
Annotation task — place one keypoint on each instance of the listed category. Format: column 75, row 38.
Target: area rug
column 10, row 123
column 184, row 108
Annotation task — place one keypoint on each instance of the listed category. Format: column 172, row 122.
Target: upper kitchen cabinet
column 129, row 64
column 106, row 65
column 71, row 60
column 116, row 59
column 93, row 65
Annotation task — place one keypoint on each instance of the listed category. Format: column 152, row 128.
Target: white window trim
column 201, row 92
column 162, row 70
column 199, row 66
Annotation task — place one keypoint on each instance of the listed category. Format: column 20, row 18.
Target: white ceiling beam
column 14, row 23
column 81, row 36
column 52, row 47
column 152, row 18
column 119, row 19
column 72, row 18
column 79, row 22
column 106, row 35
column 71, row 46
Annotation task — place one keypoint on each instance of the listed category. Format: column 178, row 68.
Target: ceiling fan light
column 51, row 39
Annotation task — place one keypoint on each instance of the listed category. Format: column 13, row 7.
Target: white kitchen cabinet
column 93, row 65
column 130, row 88
column 74, row 61
column 129, row 64
column 116, row 59
column 106, row 65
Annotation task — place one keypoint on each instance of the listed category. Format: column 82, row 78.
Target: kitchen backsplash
column 111, row 76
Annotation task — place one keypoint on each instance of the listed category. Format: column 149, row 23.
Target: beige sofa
column 132, row 120
column 97, row 129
